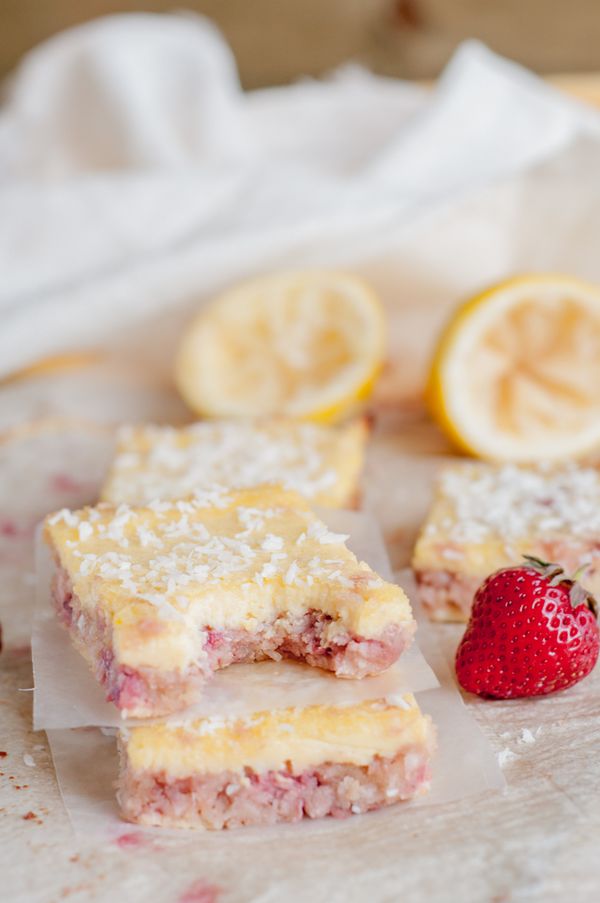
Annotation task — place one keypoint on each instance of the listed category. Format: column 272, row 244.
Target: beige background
column 539, row 841
column 278, row 40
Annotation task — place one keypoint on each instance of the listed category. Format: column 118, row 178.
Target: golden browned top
column 225, row 560
column 302, row 736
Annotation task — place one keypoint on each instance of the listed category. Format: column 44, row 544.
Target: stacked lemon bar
column 176, row 575
column 485, row 517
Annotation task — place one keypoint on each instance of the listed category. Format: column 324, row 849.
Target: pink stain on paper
column 8, row 528
column 132, row 841
column 12, row 530
column 62, row 482
column 200, row 892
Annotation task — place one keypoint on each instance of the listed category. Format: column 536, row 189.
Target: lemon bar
column 158, row 597
column 322, row 463
column 275, row 766
column 485, row 517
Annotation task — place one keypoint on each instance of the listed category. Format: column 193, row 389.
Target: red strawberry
column 532, row 631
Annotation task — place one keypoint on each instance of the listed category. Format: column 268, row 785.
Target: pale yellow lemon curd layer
column 270, row 740
column 224, row 560
column 487, row 516
column 322, row 463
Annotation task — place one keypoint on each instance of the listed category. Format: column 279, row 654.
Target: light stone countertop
column 537, row 842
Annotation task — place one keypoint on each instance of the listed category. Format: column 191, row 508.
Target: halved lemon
column 516, row 373
column 308, row 345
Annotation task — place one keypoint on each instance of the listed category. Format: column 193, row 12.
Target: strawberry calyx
column 578, row 595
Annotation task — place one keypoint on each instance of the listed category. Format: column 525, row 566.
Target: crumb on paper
column 29, row 760
column 29, row 816
column 108, row 731
column 526, row 736
column 505, row 756
column 62, row 482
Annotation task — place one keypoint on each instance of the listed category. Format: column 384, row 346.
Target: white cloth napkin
column 136, row 178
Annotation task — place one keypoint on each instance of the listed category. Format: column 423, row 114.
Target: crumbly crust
column 151, row 692
column 230, row 800
column 446, row 596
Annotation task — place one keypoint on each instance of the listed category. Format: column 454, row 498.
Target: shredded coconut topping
column 511, row 502
column 398, row 700
column 64, row 515
column 272, row 543
column 169, row 554
column 167, row 463
column 85, row 530
column 317, row 530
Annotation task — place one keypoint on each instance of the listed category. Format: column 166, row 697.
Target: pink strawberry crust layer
column 148, row 692
column 448, row 595
column 231, row 800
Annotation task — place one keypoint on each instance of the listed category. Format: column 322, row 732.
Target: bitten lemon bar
column 486, row 517
column 158, row 597
column 322, row 463
column 275, row 766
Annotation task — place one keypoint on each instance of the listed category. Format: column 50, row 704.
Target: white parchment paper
column 464, row 764
column 67, row 695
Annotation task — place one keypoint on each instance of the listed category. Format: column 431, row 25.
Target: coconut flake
column 272, row 543
column 505, row 756
column 511, row 502
column 162, row 462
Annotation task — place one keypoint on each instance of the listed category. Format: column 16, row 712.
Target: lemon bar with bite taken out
column 160, row 596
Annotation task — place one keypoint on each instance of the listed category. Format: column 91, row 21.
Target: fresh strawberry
column 532, row 631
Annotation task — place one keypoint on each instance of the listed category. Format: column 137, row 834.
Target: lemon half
column 516, row 374
column 308, row 345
